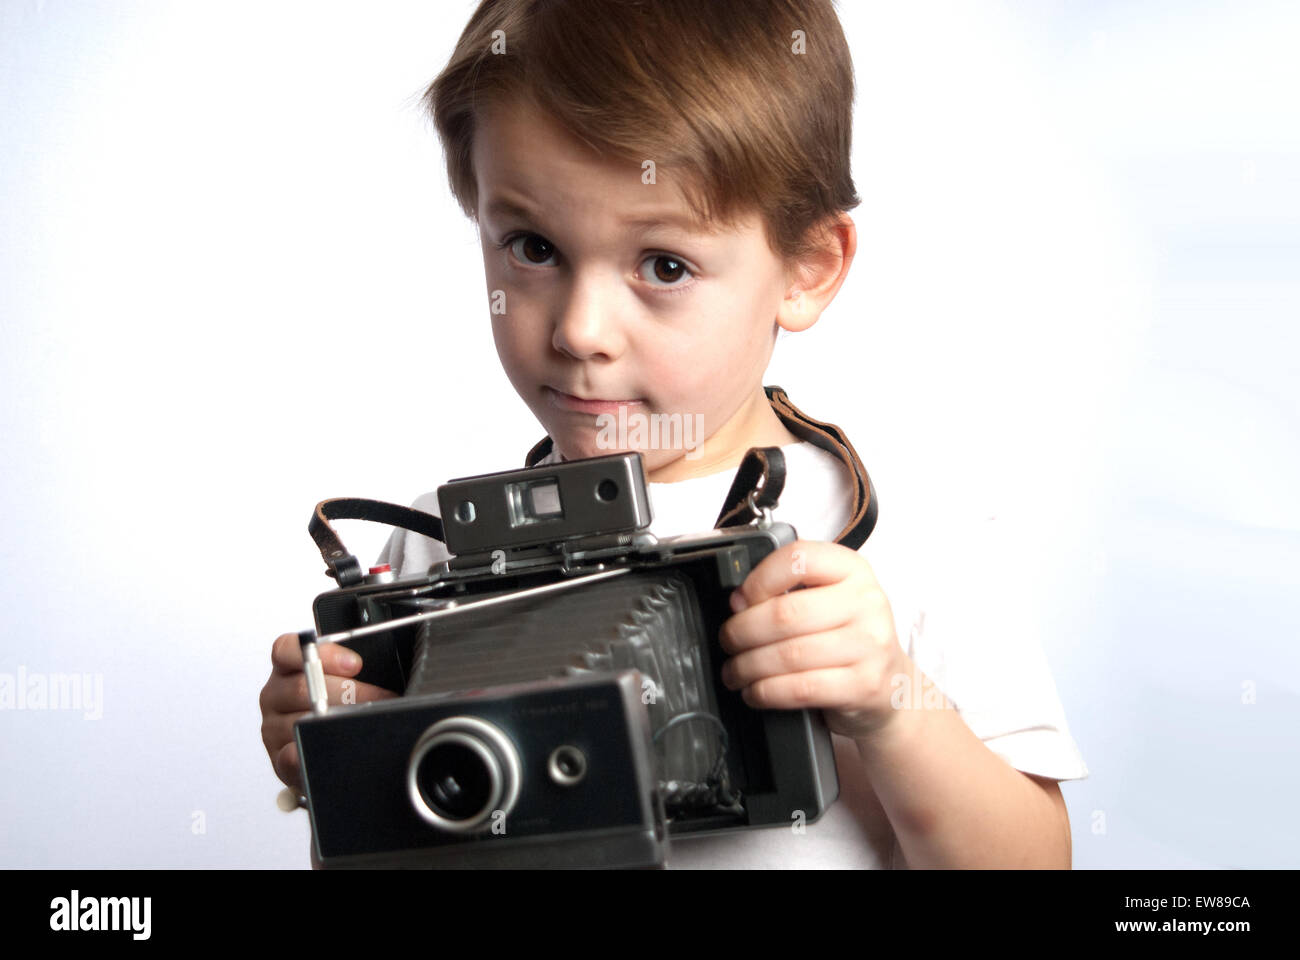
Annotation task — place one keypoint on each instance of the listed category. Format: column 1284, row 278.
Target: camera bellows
column 646, row 621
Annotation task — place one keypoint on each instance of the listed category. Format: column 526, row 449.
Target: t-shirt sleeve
column 409, row 553
column 973, row 631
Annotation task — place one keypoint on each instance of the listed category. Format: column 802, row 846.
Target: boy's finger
column 811, row 563
column 286, row 656
column 338, row 659
column 287, row 767
column 815, row 651
column 792, row 614
column 288, row 694
column 277, row 730
column 834, row 688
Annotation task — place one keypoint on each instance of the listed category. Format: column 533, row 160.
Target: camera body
column 561, row 701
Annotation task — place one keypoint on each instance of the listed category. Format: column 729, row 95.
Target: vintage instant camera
column 560, row 677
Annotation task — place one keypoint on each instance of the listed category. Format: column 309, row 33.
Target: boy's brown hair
column 713, row 91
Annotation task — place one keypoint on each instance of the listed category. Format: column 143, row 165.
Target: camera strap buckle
column 765, row 520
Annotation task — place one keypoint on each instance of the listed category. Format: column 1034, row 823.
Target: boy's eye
column 664, row 270
column 530, row 248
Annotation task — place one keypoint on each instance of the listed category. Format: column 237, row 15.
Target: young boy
column 659, row 189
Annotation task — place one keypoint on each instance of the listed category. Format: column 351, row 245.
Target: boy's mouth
column 572, row 404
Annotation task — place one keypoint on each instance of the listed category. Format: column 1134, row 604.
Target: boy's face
column 608, row 299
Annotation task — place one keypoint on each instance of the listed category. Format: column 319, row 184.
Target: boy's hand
column 284, row 698
column 832, row 645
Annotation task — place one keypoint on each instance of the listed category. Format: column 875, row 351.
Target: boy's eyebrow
column 503, row 207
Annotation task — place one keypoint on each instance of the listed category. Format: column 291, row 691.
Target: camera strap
column 761, row 475
column 343, row 566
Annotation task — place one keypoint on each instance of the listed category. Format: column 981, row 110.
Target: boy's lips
column 567, row 401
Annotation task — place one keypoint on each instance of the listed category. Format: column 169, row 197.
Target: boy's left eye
column 668, row 270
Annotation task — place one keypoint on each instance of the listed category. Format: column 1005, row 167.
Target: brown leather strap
column 539, row 452
column 761, row 477
column 832, row 439
column 342, row 566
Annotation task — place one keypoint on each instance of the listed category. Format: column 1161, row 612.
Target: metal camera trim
column 498, row 753
column 558, row 775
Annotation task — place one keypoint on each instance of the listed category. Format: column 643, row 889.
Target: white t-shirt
column 958, row 627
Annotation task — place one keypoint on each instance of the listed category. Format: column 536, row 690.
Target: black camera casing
column 603, row 614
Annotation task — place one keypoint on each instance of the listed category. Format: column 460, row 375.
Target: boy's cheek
column 519, row 355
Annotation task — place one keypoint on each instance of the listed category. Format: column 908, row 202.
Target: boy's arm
column 953, row 802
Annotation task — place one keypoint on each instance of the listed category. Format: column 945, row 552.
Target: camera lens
column 462, row 772
column 455, row 780
column 607, row 490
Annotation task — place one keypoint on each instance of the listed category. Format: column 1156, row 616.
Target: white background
column 233, row 282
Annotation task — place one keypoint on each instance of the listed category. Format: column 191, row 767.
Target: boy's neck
column 755, row 424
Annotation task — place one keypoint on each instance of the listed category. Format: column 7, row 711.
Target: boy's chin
column 585, row 448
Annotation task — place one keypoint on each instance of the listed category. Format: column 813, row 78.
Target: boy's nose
column 586, row 326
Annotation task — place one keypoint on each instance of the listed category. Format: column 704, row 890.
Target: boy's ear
column 813, row 281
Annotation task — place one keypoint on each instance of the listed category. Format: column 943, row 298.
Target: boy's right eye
column 529, row 248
